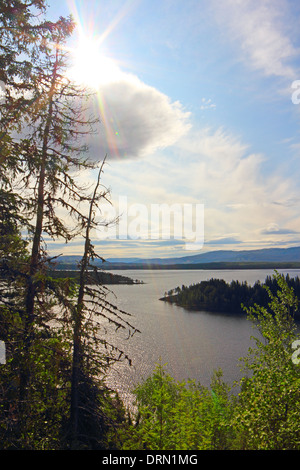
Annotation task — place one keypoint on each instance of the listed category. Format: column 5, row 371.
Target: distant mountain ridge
column 266, row 255
column 262, row 255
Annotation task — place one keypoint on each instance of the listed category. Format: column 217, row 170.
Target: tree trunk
column 77, row 366
column 35, row 251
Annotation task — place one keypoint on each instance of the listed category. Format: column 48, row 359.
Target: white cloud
column 274, row 229
column 207, row 104
column 136, row 119
column 239, row 196
column 242, row 204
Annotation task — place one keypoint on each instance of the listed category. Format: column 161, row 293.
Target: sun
column 90, row 67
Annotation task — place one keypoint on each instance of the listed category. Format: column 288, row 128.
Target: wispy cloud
column 223, row 241
column 221, row 172
column 207, row 104
column 274, row 229
column 260, row 31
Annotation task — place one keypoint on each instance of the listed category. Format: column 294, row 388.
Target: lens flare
column 92, row 67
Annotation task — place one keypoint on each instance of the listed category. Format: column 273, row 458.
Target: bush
column 179, row 415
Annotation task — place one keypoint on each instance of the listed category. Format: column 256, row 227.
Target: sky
column 199, row 102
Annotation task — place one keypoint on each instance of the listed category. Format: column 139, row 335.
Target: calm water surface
column 192, row 344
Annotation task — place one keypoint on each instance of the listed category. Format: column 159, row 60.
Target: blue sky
column 197, row 110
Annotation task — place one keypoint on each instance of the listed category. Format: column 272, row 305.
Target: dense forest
column 94, row 276
column 218, row 295
column 55, row 329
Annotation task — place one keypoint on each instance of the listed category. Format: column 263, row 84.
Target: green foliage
column 267, row 415
column 37, row 426
column 179, row 415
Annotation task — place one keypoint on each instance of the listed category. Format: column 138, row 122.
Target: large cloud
column 136, row 119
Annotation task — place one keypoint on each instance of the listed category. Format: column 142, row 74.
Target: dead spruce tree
column 93, row 351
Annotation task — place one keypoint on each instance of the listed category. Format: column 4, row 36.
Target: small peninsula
column 216, row 295
column 101, row 277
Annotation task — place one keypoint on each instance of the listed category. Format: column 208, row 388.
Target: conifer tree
column 43, row 125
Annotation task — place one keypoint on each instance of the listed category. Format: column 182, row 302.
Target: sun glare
column 92, row 68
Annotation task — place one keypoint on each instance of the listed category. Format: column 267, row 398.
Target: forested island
column 218, row 295
column 101, row 277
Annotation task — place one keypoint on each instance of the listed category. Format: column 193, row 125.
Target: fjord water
column 192, row 344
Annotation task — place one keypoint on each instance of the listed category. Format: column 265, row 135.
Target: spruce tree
column 44, row 123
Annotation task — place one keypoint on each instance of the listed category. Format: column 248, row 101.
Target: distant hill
column 266, row 256
column 262, row 255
